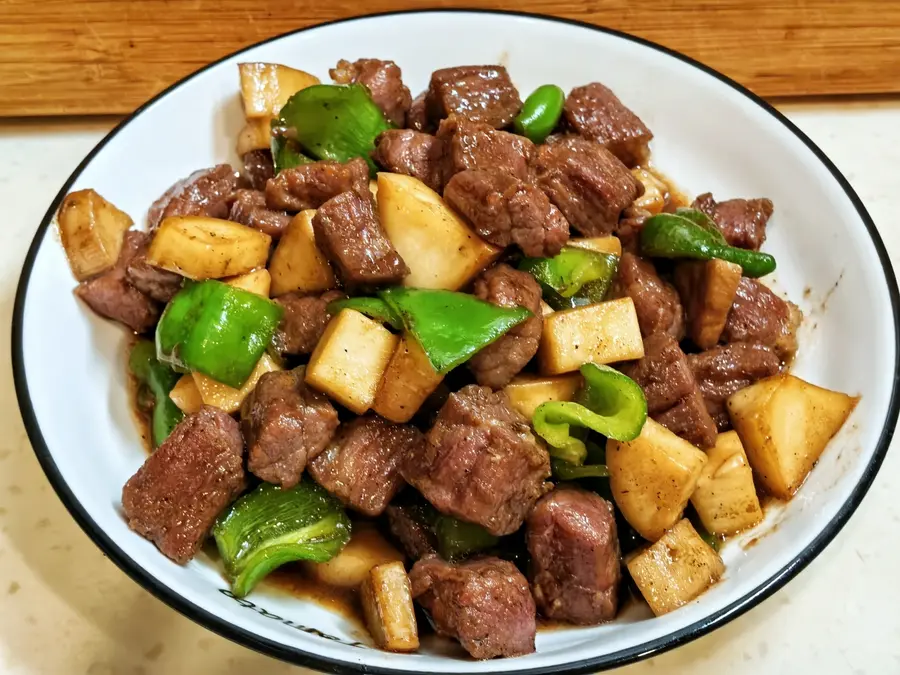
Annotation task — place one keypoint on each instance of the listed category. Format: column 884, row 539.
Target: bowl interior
column 708, row 137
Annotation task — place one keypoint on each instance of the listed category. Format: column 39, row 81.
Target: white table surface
column 64, row 608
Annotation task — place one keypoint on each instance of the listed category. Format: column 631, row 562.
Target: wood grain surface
column 65, row 57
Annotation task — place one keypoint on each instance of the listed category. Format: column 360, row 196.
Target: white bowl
column 710, row 134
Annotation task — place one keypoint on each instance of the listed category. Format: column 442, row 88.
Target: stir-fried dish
column 480, row 331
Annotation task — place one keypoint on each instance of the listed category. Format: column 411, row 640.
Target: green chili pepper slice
column 609, row 403
column 540, row 113
column 374, row 308
column 159, row 379
column 669, row 235
column 272, row 526
column 459, row 539
column 563, row 470
column 574, row 277
column 286, row 154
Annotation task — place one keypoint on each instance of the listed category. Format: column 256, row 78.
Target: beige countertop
column 64, row 608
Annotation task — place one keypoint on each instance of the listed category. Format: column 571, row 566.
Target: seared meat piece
column 481, row 462
column 495, row 365
column 417, row 117
column 203, row 193
column 258, row 168
column 159, row 284
column 586, row 183
column 483, row 603
column 304, row 321
column 384, row 82
column 311, row 185
column 361, row 467
column 175, row 497
column 479, row 93
column 286, row 425
column 112, row 296
column 417, row 540
column 656, row 302
column 758, row 315
column 673, row 398
column 504, row 210
column 474, row 145
column 742, row 221
column 722, row 371
column 412, row 153
column 349, row 234
column 575, row 561
column 249, row 208
column 597, row 113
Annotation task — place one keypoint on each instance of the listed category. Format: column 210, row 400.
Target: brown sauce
column 295, row 580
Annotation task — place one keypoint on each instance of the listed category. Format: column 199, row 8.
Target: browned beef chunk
column 304, row 321
column 479, row 93
column 310, row 185
column 286, row 425
column 495, row 365
column 361, row 467
column 249, row 208
column 112, row 296
column 176, row 496
column 475, row 145
column 656, row 301
column 723, row 370
column 673, row 398
column 758, row 315
column 412, row 153
column 349, row 234
column 574, row 551
column 417, row 540
column 258, row 168
column 417, row 117
column 586, row 183
column 483, row 603
column 159, row 284
column 742, row 221
column 383, row 80
column 598, row 114
column 504, row 210
column 481, row 462
column 203, row 193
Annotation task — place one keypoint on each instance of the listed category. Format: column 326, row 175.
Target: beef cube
column 304, row 321
column 586, row 183
column 308, row 186
column 575, row 561
column 495, row 365
column 673, row 398
column 175, row 497
column 412, row 153
column 483, row 603
column 258, row 168
column 742, row 221
column 249, row 208
column 479, row 93
column 417, row 117
column 598, row 114
column 286, row 425
column 204, row 193
column 111, row 295
column 384, row 82
column 361, row 467
column 474, row 145
column 724, row 370
column 159, row 284
column 656, row 302
column 504, row 210
column 409, row 529
column 481, row 462
column 349, row 234
column 758, row 315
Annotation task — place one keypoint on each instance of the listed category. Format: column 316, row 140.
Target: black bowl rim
column 327, row 664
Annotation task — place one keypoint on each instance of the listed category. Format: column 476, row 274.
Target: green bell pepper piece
column 573, row 278
column 216, row 329
column 450, row 327
column 670, row 235
column 272, row 526
column 333, row 122
column 459, row 539
column 374, row 308
column 563, row 470
column 609, row 403
column 159, row 379
column 540, row 113
column 286, row 154
column 698, row 217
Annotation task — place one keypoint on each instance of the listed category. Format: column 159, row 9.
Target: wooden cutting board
column 66, row 57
